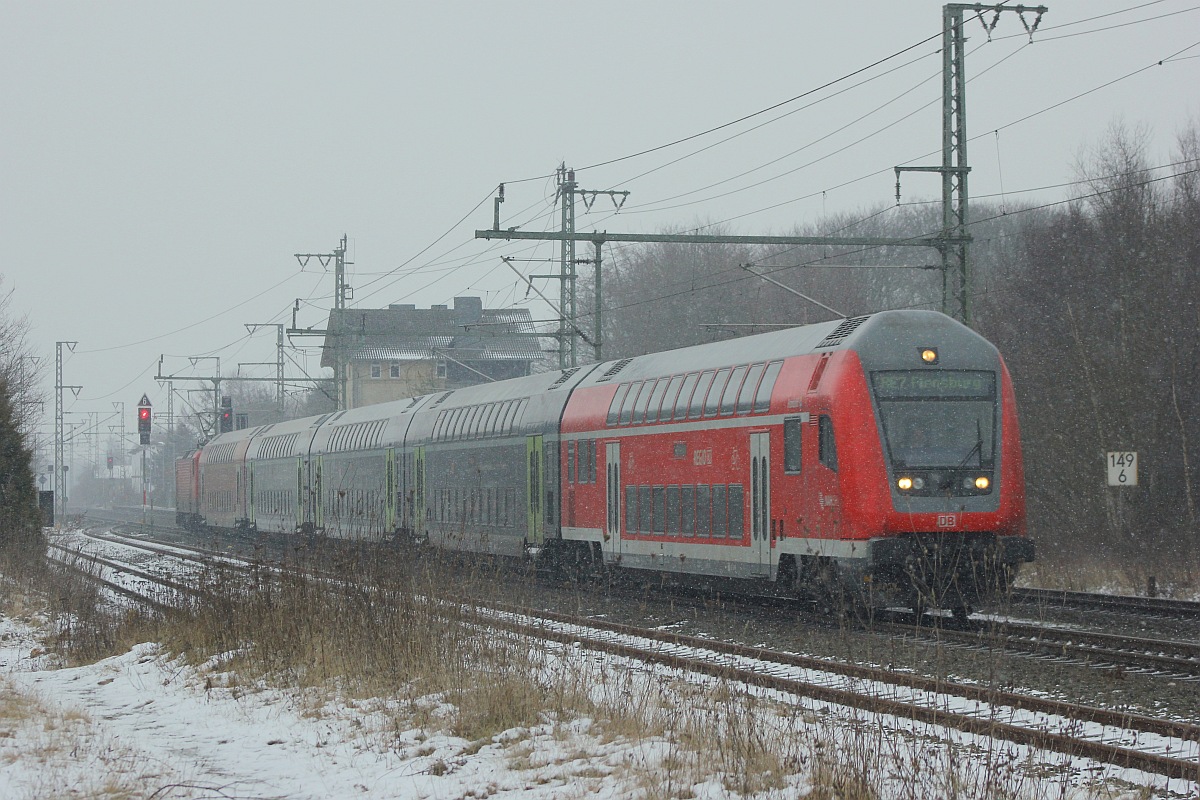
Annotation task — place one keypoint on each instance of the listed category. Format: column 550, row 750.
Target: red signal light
column 143, row 413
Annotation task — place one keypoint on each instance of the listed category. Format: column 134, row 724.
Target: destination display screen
column 946, row 384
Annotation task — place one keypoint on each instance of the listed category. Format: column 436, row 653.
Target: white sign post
column 1122, row 468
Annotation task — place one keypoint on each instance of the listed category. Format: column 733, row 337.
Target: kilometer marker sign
column 1122, row 468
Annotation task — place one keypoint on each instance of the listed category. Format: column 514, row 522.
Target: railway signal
column 144, row 420
column 226, row 414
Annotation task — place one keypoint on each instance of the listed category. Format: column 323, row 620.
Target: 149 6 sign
column 1122, row 468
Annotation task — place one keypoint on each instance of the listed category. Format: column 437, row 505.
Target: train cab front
column 954, row 514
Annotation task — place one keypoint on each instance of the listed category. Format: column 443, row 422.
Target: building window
column 441, row 367
column 375, row 371
column 394, row 369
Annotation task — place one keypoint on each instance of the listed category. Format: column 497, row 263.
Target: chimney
column 467, row 310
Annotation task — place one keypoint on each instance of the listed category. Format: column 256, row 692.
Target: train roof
column 874, row 332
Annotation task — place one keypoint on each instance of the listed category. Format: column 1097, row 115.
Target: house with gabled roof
column 404, row 351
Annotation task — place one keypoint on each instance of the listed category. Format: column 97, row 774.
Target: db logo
column 947, row 520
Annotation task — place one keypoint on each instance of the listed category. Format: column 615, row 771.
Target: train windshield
column 942, row 418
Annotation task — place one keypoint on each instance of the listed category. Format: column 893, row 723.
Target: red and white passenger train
column 877, row 456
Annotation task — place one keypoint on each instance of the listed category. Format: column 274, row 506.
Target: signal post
column 144, row 414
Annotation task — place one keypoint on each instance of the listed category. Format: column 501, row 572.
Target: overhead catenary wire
column 777, row 268
column 473, row 259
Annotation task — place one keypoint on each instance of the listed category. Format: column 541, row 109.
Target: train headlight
column 982, row 483
column 929, row 355
column 905, row 484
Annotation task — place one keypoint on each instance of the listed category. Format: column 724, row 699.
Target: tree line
column 21, row 409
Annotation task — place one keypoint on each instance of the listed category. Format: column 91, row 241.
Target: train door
column 302, row 504
column 418, row 492
column 760, row 500
column 533, row 495
column 612, row 501
column 389, row 493
column 318, row 498
column 250, row 492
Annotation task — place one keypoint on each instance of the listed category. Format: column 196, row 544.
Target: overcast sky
column 161, row 162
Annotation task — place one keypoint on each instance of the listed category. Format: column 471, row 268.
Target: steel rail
column 1039, row 737
column 124, row 591
column 1122, row 602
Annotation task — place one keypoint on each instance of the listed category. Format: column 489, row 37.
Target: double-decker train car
column 876, row 457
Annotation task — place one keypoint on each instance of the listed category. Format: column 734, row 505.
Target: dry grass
column 1080, row 573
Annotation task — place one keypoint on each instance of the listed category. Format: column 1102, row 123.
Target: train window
column 589, row 462
column 713, row 402
column 703, row 510
column 519, row 413
column 687, row 501
column 697, row 403
column 631, row 517
column 508, row 411
column 630, row 400
column 827, row 447
column 745, row 400
column 645, row 509
column 656, row 399
column 570, row 462
column 643, row 402
column 658, row 496
column 476, row 423
column 729, row 398
column 685, row 395
column 465, row 422
column 793, row 441
column 669, row 398
column 489, row 414
column 737, row 524
column 672, row 522
column 718, row 512
column 503, row 424
column 762, row 397
column 614, row 408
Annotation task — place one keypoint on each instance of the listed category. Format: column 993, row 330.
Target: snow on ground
column 144, row 725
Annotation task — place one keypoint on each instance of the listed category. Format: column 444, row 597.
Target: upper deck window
column 729, row 398
column 713, row 402
column 745, row 398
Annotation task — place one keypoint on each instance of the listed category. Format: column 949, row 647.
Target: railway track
column 1165, row 747
column 1057, row 598
column 1176, row 660
column 1169, row 659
